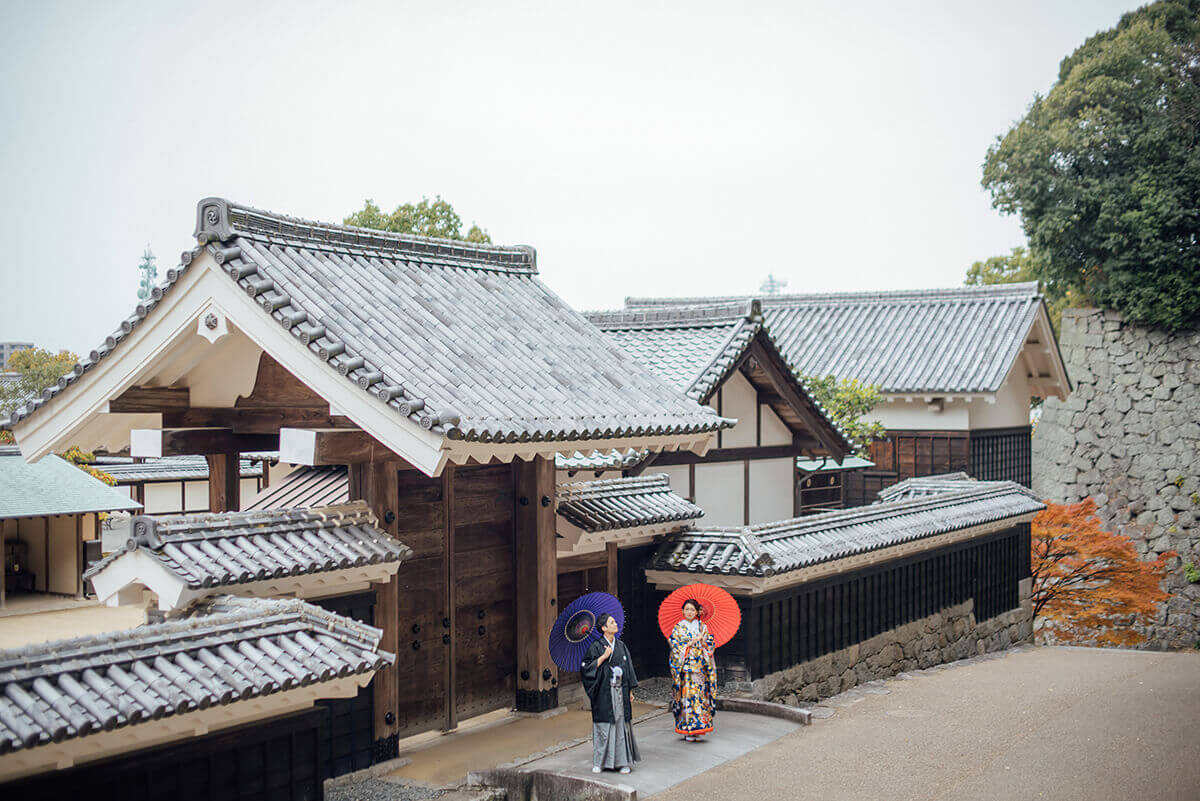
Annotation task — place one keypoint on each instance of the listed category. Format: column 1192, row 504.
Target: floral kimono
column 693, row 679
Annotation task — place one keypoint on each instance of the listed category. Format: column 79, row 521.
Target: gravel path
column 379, row 790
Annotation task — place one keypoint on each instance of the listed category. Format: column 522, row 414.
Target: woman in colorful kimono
column 609, row 679
column 693, row 675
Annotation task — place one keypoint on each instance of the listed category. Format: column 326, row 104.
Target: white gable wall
column 774, row 431
column 739, row 400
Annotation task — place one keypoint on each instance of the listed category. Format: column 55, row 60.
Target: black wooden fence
column 809, row 620
column 1002, row 454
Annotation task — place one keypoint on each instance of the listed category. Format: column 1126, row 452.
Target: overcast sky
column 642, row 148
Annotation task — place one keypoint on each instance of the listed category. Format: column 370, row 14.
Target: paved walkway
column 1056, row 723
column 667, row 759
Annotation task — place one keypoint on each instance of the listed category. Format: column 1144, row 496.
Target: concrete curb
column 543, row 785
column 752, row 707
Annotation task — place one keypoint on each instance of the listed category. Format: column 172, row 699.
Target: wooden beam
column 79, row 556
column 800, row 447
column 151, row 399
column 156, row 442
column 256, row 420
column 537, row 583
column 320, row 446
column 224, row 482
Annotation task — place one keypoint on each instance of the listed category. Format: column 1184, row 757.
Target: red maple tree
column 1088, row 584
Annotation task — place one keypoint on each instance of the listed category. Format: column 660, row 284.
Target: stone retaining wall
column 1129, row 437
column 947, row 636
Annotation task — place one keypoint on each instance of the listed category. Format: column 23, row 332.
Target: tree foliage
column 1088, row 584
column 1104, row 170
column 36, row 369
column 83, row 459
column 1019, row 267
column 847, row 402
column 426, row 218
column 149, row 274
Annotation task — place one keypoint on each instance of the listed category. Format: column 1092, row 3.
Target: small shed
column 48, row 510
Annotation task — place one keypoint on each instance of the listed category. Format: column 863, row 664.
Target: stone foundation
column 1129, row 437
column 947, row 636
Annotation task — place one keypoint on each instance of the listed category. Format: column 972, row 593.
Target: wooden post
column 46, row 551
column 450, row 580
column 611, row 551
column 79, row 556
column 224, row 482
column 3, row 563
column 378, row 484
column 537, row 579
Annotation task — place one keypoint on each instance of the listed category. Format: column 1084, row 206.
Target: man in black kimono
column 609, row 679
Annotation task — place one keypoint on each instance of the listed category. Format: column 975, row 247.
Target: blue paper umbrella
column 575, row 629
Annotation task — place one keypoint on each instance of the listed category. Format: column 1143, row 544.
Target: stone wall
column 947, row 636
column 1129, row 437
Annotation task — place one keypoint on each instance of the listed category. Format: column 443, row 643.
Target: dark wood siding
column 350, row 727
column 801, row 623
column 1002, row 454
column 276, row 760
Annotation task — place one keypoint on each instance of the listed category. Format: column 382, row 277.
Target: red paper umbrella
column 718, row 610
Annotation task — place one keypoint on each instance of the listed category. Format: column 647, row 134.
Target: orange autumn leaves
column 1088, row 584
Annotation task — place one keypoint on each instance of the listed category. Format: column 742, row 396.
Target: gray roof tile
column 600, row 460
column 618, row 503
column 924, row 486
column 304, row 488
column 461, row 338
column 963, row 339
column 168, row 468
column 228, row 650
column 229, row 548
column 773, row 548
column 697, row 347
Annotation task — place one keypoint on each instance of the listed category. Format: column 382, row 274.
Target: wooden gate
column 457, row 651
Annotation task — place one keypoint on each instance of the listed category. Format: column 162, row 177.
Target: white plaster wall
column 196, row 496
column 904, row 415
column 678, row 476
column 249, row 488
column 738, row 399
column 720, row 492
column 276, row 472
column 162, row 498
column 770, row 490
column 1012, row 403
column 774, row 432
column 31, row 530
column 62, row 554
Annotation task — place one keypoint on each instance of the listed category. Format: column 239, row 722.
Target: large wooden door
column 483, row 591
column 457, row 652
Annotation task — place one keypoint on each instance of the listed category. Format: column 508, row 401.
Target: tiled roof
column 53, row 486
column 168, row 468
column 697, row 347
column 304, row 488
column 924, row 486
column 230, row 548
column 623, row 503
column 229, row 650
column 460, row 338
column 600, row 460
column 774, row 548
column 964, row 339
column 830, row 466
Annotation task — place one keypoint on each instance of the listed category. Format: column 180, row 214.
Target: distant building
column 7, row 349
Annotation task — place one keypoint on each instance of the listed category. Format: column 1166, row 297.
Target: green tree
column 1018, row 267
column 1104, row 170
column 426, row 218
column 149, row 271
column 846, row 402
column 36, row 369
